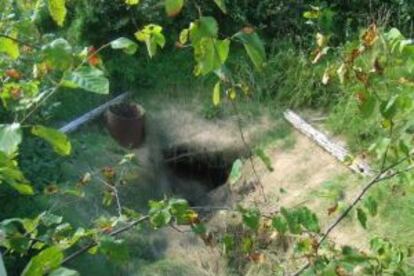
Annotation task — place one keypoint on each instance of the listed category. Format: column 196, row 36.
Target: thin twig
column 94, row 243
column 19, row 41
column 380, row 177
column 115, row 191
column 250, row 153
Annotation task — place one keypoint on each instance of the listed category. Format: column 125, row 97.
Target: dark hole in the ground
column 210, row 169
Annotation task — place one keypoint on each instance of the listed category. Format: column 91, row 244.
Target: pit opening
column 197, row 172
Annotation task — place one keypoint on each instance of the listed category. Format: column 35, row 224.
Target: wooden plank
column 2, row 267
column 338, row 151
column 75, row 124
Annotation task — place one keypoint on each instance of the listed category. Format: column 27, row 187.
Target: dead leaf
column 333, row 209
column 370, row 36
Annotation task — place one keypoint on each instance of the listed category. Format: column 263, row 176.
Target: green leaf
column 49, row 219
column 205, row 27
column 44, row 262
column 367, row 107
column 24, row 189
column 280, row 224
column 132, row 2
column 125, row 44
column 9, row 47
column 57, row 139
column 254, row 47
column 229, row 243
column 58, row 11
column 88, row 78
column 173, row 7
column 63, row 271
column 352, row 256
column 251, row 218
column 371, row 205
column 235, row 173
column 184, row 34
column 58, row 54
column 113, row 248
column 265, row 159
column 210, row 54
column 160, row 218
column 152, row 36
column 221, row 5
column 199, row 229
column 216, row 94
column 389, row 108
column 10, row 138
column 178, row 206
column 308, row 220
column 362, row 217
column 292, row 219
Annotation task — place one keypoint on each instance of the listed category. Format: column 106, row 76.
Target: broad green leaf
column 9, row 47
column 10, row 138
column 292, row 219
column 12, row 175
column 251, row 218
column 57, row 9
column 173, row 7
column 205, row 27
column 221, row 5
column 113, row 248
column 253, row 46
column 88, row 78
column 362, row 217
column 58, row 54
column 372, row 206
column 389, row 108
column 153, row 38
column 199, row 229
column 178, row 206
column 280, row 224
column 210, row 54
column 367, row 107
column 265, row 159
column 352, row 256
column 63, row 271
column 127, row 45
column 313, row 14
column 44, row 262
column 216, row 94
column 57, row 139
column 160, row 218
column 308, row 219
column 132, row 2
column 229, row 243
column 235, row 173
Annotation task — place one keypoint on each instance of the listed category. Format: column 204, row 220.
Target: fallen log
column 338, row 151
column 75, row 124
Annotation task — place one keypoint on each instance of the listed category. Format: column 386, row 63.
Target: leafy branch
column 385, row 174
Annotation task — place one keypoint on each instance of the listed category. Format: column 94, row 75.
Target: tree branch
column 20, row 41
column 112, row 234
column 381, row 176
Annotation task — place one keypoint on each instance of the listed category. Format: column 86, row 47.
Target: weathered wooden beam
column 75, row 124
column 2, row 267
column 338, row 151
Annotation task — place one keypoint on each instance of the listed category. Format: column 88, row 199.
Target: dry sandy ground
column 300, row 172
